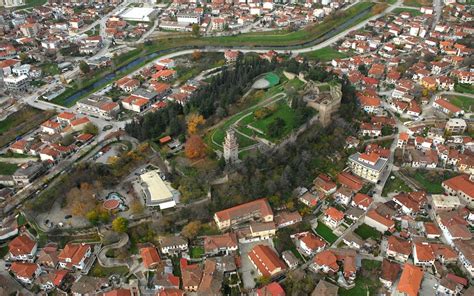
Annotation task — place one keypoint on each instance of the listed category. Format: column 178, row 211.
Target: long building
column 156, row 191
column 254, row 210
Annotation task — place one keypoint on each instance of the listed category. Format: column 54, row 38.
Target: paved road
column 113, row 262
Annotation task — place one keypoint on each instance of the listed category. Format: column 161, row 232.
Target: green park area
column 20, row 122
column 325, row 54
column 464, row 88
column 418, row 3
column 268, row 116
column 430, row 181
column 463, row 102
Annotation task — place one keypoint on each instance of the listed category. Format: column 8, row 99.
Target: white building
column 189, row 18
column 16, row 83
column 369, row 166
column 157, row 192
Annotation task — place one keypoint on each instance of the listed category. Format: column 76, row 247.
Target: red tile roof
column 410, row 281
column 150, row 257
column 363, row 200
column 260, row 205
column 118, row 292
column 21, row 245
column 351, row 181
column 266, row 260
column 334, row 214
column 461, row 183
column 272, row 289
column 24, row 269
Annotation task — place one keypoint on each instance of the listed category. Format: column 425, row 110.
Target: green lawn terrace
column 269, row 105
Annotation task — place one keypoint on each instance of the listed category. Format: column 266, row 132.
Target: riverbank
column 281, row 40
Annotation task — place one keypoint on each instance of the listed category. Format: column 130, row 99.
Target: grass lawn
column 197, row 252
column 465, row 103
column 31, row 3
column 366, row 232
column 325, row 232
column 7, row 168
column 3, row 251
column 20, row 122
column 429, row 180
column 412, row 11
column 99, row 271
column 464, row 88
column 325, row 54
column 395, row 184
column 371, row 264
column 363, row 286
column 94, row 31
column 418, row 3
column 284, row 112
column 50, row 69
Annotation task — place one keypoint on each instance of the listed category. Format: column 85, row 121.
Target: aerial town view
column 237, row 147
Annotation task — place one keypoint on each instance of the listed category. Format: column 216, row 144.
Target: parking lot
column 247, row 267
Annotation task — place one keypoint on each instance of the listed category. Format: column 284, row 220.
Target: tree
column 196, row 28
column 81, row 200
column 379, row 8
column 120, row 224
column 195, row 147
column 194, row 121
column 91, row 128
column 191, row 230
column 136, row 207
column 67, row 140
column 275, row 128
column 84, row 67
column 197, row 55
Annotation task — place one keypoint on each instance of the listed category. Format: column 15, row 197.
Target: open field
column 412, row 11
column 7, row 169
column 366, row 232
column 464, row 88
column 21, row 122
column 418, row 3
column 326, row 54
column 430, row 181
column 395, row 185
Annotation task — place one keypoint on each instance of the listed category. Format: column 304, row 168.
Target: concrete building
column 456, row 126
column 461, row 186
column 369, row 166
column 16, row 83
column 157, row 192
column 255, row 210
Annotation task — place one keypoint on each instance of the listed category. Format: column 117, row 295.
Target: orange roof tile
column 410, row 281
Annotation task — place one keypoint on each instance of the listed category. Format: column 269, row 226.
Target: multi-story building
column 254, row 210
column 456, row 126
column 16, row 83
column 266, row 260
column 461, row 186
column 369, row 166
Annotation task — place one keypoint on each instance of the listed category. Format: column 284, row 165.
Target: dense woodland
column 212, row 100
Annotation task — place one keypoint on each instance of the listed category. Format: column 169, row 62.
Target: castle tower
column 231, row 147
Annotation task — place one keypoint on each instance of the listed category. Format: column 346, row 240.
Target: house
column 461, row 186
column 170, row 292
column 431, row 230
column 308, row 243
column 447, row 108
column 266, row 261
column 88, row 285
column 224, row 243
column 74, row 255
column 259, row 209
column 327, row 262
column 290, row 259
column 343, row 195
column 402, row 139
column 369, row 166
column 370, row 104
column 453, row 226
column 390, row 272
column 25, row 272
column 325, row 288
column 231, row 55
column 150, row 257
column 370, row 130
column 407, row 205
column 135, row 103
column 380, row 222
column 410, row 280
column 324, row 184
column 353, row 241
column 441, row 202
column 22, row 248
column 272, row 289
column 448, row 286
column 333, row 217
column 50, row 127
column 309, row 199
column 173, row 245
column 65, row 117
column 48, row 256
column 191, row 275
column 362, row 201
column 127, row 84
column 466, row 256
column 398, row 249
column 285, row 218
column 351, row 181
column 423, row 254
